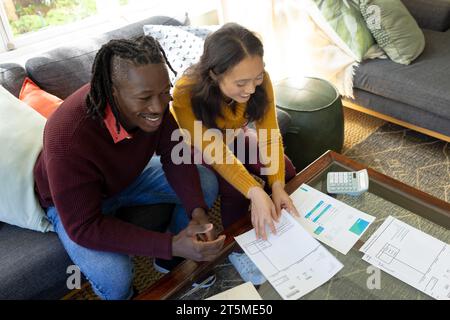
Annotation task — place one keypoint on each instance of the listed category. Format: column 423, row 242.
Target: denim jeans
column 111, row 274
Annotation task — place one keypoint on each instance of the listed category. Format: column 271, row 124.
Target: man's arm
column 76, row 193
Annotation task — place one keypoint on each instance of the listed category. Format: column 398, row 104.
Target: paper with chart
column 329, row 220
column 245, row 291
column 292, row 261
column 412, row 256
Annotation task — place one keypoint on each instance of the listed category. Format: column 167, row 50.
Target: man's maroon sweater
column 80, row 166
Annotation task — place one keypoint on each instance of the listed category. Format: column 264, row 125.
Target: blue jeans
column 111, row 274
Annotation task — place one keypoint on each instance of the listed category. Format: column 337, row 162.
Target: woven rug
column 405, row 155
column 408, row 156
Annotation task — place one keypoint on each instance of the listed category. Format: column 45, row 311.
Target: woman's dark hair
column 139, row 51
column 223, row 49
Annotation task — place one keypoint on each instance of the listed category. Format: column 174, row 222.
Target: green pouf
column 317, row 118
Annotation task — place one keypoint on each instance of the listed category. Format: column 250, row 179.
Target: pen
column 201, row 237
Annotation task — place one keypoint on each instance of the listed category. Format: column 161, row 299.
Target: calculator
column 352, row 183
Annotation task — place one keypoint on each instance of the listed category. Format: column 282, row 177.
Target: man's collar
column 110, row 122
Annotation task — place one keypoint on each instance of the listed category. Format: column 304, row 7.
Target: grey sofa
column 417, row 95
column 33, row 265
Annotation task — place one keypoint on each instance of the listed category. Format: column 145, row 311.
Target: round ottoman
column 317, row 118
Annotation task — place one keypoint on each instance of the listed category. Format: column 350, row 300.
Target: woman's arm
column 269, row 139
column 215, row 151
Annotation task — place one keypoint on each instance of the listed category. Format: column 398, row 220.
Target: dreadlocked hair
column 139, row 51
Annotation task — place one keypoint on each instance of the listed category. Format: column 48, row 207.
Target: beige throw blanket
column 307, row 46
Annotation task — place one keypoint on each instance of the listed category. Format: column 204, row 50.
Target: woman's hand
column 281, row 200
column 262, row 212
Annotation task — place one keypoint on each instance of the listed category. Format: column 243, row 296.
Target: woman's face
column 240, row 82
column 143, row 96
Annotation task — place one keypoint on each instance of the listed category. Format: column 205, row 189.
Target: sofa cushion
column 12, row 76
column 346, row 22
column 396, row 31
column 32, row 265
column 41, row 101
column 424, row 84
column 402, row 111
column 430, row 14
column 65, row 69
column 183, row 45
column 21, row 144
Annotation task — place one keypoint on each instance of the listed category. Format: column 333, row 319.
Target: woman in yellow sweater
column 227, row 89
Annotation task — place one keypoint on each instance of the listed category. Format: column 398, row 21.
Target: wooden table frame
column 184, row 274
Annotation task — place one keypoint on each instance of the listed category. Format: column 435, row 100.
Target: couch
column 33, row 265
column 416, row 96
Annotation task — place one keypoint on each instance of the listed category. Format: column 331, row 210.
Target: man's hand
column 262, row 212
column 199, row 216
column 186, row 245
column 281, row 200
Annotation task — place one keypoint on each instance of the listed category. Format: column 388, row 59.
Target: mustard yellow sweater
column 231, row 169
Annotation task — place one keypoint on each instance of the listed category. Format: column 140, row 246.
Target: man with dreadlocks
column 98, row 156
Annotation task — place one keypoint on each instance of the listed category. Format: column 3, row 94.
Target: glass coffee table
column 385, row 197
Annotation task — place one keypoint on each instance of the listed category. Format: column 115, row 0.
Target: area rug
column 411, row 157
column 405, row 155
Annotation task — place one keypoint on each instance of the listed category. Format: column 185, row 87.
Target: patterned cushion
column 347, row 22
column 183, row 45
column 395, row 30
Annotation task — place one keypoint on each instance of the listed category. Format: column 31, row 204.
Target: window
column 25, row 16
column 26, row 22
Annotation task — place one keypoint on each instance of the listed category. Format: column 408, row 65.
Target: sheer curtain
column 295, row 44
column 282, row 28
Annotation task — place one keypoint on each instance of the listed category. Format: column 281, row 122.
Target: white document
column 293, row 261
column 245, row 291
column 412, row 256
column 331, row 221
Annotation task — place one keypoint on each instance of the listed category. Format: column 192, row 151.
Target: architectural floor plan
column 292, row 260
column 411, row 256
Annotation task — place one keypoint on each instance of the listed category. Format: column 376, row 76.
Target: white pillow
column 21, row 136
column 183, row 45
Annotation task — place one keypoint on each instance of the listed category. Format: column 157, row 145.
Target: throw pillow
column 21, row 134
column 40, row 100
column 183, row 44
column 395, row 30
column 346, row 21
